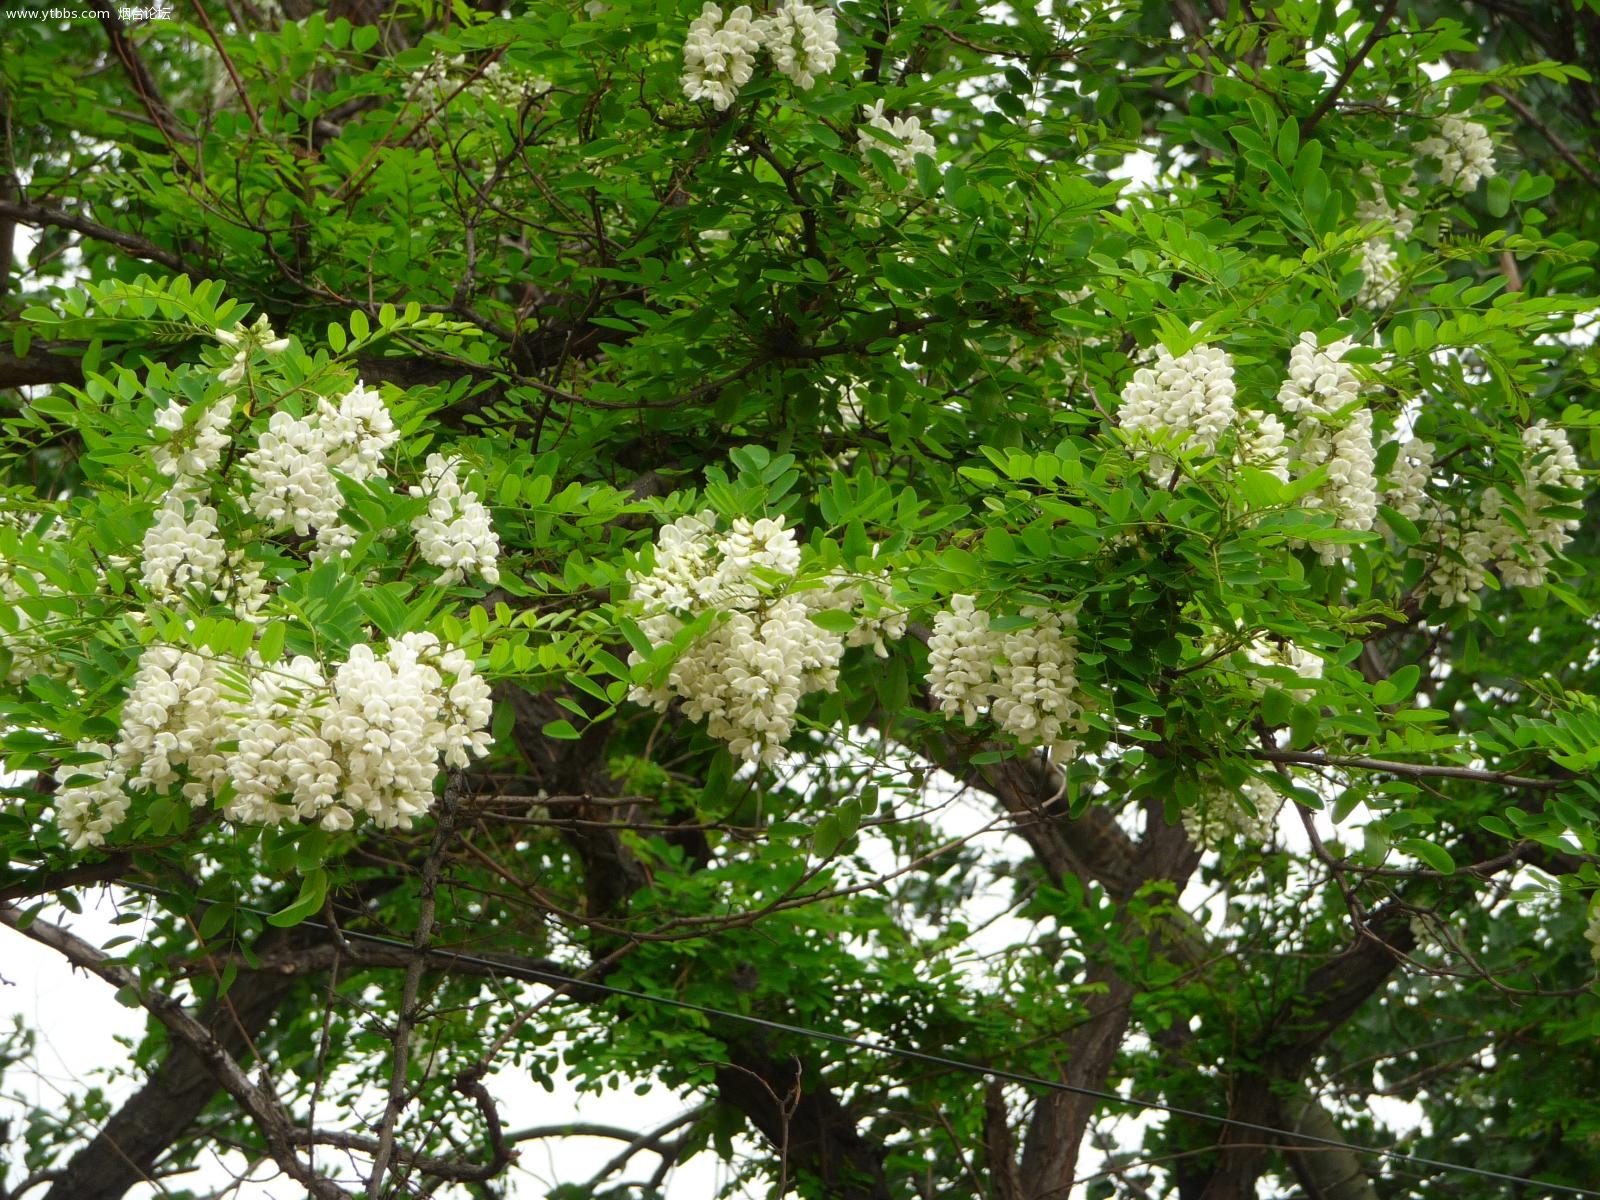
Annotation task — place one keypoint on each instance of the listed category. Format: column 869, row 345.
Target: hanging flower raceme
column 1189, row 396
column 1226, row 816
column 1324, row 393
column 291, row 470
column 297, row 739
column 1464, row 150
column 1406, row 488
column 1261, row 444
column 182, row 549
column 1525, row 545
column 803, row 41
column 720, row 56
column 245, row 339
column 762, row 653
column 1380, row 261
column 270, row 743
column 1025, row 679
column 908, row 131
column 455, row 533
column 443, row 78
column 1517, row 538
column 1320, row 385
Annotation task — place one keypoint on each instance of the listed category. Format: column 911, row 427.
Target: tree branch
column 144, row 84
column 1549, row 135
column 1351, row 66
column 1314, row 758
column 443, row 830
column 39, row 216
column 38, row 883
column 256, row 1099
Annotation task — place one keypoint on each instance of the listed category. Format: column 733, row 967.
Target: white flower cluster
column 193, row 452
column 719, row 56
column 1284, row 655
column 1351, row 492
column 1320, row 384
column 1549, row 462
column 1190, row 396
column 1380, row 262
column 803, row 41
column 763, row 654
column 1399, row 218
column 1407, row 484
column 292, row 484
column 291, row 470
column 1591, row 931
column 908, row 131
column 282, row 742
column 182, row 549
column 1262, row 443
column 242, row 341
column 1323, row 391
column 1025, row 679
column 494, row 84
column 1518, row 540
column 455, row 532
column 1221, row 819
column 1460, row 555
column 1380, row 270
column 29, row 651
column 89, row 810
column 1464, row 150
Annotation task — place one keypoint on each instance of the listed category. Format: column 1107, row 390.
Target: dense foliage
column 1051, row 538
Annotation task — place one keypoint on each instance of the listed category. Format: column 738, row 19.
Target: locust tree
column 645, row 545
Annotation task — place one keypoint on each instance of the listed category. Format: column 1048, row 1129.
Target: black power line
column 563, row 982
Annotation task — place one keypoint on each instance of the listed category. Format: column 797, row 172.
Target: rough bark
column 126, row 1150
column 1329, row 997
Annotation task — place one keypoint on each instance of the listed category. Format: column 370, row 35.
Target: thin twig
column 443, row 832
column 1351, row 66
column 1409, row 770
column 1549, row 135
column 37, row 216
column 256, row 1099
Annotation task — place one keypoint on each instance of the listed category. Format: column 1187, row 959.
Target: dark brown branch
column 469, row 1085
column 1560, row 147
column 39, row 216
column 144, row 84
column 1351, row 66
column 39, row 883
column 653, row 1140
column 256, row 1099
column 444, row 829
column 799, row 1114
column 1408, row 770
column 1330, row 996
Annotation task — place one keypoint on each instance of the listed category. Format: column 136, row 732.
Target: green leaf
column 834, row 620
column 270, row 646
column 1437, row 857
column 313, row 890
column 1277, row 707
column 1303, row 725
column 827, row 837
column 1497, row 197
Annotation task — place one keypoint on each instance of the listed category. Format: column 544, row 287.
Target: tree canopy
column 999, row 598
